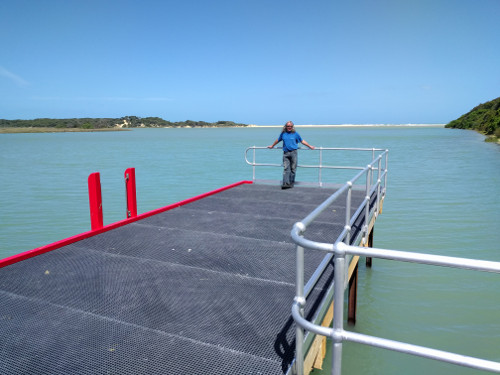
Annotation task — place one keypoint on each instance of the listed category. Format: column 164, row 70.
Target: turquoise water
column 442, row 198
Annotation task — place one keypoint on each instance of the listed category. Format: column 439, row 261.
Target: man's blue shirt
column 290, row 141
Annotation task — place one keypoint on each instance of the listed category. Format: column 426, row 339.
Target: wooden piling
column 353, row 295
column 370, row 244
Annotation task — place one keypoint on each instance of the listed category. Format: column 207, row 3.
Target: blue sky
column 252, row 61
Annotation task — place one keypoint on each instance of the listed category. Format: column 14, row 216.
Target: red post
column 131, row 192
column 95, row 200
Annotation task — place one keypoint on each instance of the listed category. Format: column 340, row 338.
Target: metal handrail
column 338, row 334
column 320, row 166
column 377, row 167
column 379, row 186
column 342, row 253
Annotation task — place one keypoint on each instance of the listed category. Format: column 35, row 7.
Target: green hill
column 104, row 123
column 485, row 118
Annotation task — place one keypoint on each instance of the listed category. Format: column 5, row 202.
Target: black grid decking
column 205, row 288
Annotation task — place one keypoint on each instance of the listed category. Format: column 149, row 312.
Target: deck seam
column 184, row 208
column 114, row 255
column 213, row 233
column 256, row 199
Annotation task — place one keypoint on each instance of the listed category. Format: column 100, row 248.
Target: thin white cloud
column 13, row 77
column 107, row 98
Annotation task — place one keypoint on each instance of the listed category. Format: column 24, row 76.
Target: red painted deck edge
column 67, row 241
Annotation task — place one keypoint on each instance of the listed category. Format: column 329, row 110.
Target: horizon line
column 348, row 125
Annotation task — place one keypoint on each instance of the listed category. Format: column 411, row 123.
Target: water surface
column 442, row 198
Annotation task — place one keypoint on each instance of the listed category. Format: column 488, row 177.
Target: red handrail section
column 96, row 204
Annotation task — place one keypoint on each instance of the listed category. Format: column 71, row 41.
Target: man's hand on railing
column 308, row 145
column 274, row 144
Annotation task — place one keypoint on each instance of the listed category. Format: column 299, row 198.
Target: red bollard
column 95, row 200
column 131, row 192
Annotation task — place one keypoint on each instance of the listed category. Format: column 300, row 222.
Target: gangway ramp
column 203, row 288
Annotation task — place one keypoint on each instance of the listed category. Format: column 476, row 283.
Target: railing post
column 95, row 201
column 253, row 164
column 348, row 213
column 300, row 299
column 386, row 165
column 338, row 312
column 320, row 166
column 131, row 195
column 379, row 181
column 373, row 158
column 367, row 201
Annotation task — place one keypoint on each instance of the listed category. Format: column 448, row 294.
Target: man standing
column 291, row 140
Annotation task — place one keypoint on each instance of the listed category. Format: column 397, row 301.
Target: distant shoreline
column 20, row 130
column 355, row 126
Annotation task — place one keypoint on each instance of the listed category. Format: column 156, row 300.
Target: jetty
column 215, row 284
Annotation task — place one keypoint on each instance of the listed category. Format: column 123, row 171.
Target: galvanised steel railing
column 372, row 179
column 377, row 167
column 320, row 166
column 338, row 334
column 342, row 252
column 372, row 188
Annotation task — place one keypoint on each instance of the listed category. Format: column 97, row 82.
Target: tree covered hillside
column 103, row 123
column 484, row 118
